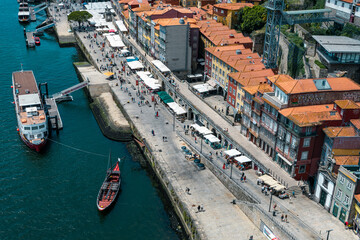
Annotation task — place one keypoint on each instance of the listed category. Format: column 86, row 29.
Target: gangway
column 34, row 10
column 44, row 28
column 65, row 94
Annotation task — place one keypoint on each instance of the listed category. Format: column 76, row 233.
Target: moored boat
column 110, row 188
column 24, row 12
column 30, row 114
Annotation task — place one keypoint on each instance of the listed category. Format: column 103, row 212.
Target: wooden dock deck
column 53, row 111
column 32, row 14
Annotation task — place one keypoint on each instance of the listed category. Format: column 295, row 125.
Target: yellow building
column 226, row 13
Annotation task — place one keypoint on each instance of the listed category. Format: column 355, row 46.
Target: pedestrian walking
column 242, row 179
column 188, row 191
column 163, row 139
column 224, row 166
column 198, row 208
column 275, row 207
column 153, row 132
column 286, row 218
column 216, row 153
column 245, row 178
column 282, row 217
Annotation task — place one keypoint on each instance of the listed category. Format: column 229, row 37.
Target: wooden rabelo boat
column 110, row 187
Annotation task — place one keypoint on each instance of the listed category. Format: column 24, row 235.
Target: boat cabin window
column 27, row 128
column 35, row 128
column 41, row 126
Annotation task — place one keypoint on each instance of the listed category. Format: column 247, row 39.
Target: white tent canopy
column 148, row 81
column 196, row 127
column 176, row 108
column 120, row 24
column 204, row 131
column 202, row 88
column 114, row 41
column 212, row 138
column 232, row 153
column 161, row 66
column 242, row 159
column 135, row 65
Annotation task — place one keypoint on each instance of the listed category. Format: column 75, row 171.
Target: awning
column 165, row 97
column 242, row 159
column 196, row 127
column 114, row 40
column 108, row 74
column 135, row 65
column 232, row 153
column 201, row 88
column 161, row 66
column 204, row 131
column 285, row 160
column 212, row 138
column 176, row 108
column 120, row 24
column 148, row 81
column 278, row 187
column 131, row 59
column 211, row 83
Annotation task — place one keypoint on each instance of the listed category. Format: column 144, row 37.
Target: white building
column 348, row 10
column 324, row 189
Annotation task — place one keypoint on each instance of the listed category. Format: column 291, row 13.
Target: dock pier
column 53, row 114
column 29, row 38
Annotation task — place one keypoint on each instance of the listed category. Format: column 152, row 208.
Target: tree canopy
column 251, row 18
column 79, row 16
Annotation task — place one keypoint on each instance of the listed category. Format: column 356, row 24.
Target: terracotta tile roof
column 308, row 85
column 125, row 14
column 340, row 132
column 175, row 21
column 233, row 6
column 357, row 197
column 347, row 1
column 346, row 152
column 124, row 1
column 138, row 2
column 142, row 8
column 311, row 115
column 347, row 104
column 356, row 123
column 258, row 88
column 280, row 78
column 346, row 160
column 237, row 38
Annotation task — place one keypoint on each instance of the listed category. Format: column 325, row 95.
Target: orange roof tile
column 346, row 160
column 233, row 6
column 356, row 123
column 311, row 115
column 340, row 132
column 347, row 104
column 175, row 21
column 125, row 14
column 280, row 78
column 257, row 88
column 357, row 197
column 346, row 152
column 307, row 85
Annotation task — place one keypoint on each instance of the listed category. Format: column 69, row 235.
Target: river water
column 52, row 195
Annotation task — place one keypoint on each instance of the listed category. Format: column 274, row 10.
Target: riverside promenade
column 306, row 213
column 306, row 220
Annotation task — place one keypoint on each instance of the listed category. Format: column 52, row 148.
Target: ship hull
column 36, row 147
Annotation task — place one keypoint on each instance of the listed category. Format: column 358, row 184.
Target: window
column 308, row 130
column 237, row 105
column 35, row 128
column 339, row 193
column 346, row 199
column 230, row 89
column 286, row 150
column 233, row 102
column 306, row 142
column 341, row 179
column 234, row 91
column 349, row 185
column 229, row 99
column 222, row 11
column 343, row 4
column 27, row 128
column 238, row 95
column 304, row 155
column 302, row 168
column 325, row 183
column 335, row 2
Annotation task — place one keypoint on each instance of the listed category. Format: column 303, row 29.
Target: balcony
column 270, row 97
column 267, row 128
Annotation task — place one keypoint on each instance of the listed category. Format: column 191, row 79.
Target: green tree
column 79, row 16
column 252, row 19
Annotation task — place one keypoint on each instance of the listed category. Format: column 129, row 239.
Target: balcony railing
column 270, row 96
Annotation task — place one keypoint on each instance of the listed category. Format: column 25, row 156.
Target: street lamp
column 231, row 164
column 201, row 143
column 328, row 233
column 174, row 121
column 270, row 201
